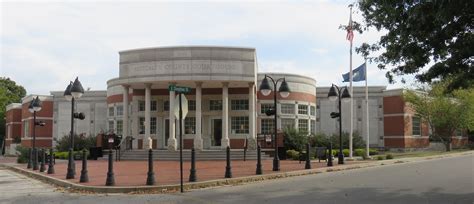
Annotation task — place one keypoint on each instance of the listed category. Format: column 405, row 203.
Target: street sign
column 179, row 89
column 184, row 106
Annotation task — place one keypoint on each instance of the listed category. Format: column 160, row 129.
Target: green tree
column 10, row 92
column 444, row 112
column 294, row 139
column 421, row 33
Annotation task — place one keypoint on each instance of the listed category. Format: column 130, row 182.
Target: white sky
column 45, row 45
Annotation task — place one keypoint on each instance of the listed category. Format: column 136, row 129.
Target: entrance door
column 167, row 131
column 216, row 128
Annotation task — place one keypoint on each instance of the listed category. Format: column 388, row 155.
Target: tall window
column 119, row 110
column 302, row 109
column 141, row 126
column 189, row 125
column 239, row 104
column 111, row 126
column 191, row 105
column 119, row 127
column 313, row 110
column 264, row 107
column 153, row 105
column 152, row 125
column 416, row 126
column 303, row 125
column 26, row 128
column 313, row 126
column 240, row 125
column 141, row 105
column 287, row 123
column 287, row 108
column 267, row 126
column 215, row 105
column 459, row 132
column 111, row 111
column 166, row 106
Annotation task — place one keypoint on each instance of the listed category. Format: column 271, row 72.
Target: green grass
column 398, row 155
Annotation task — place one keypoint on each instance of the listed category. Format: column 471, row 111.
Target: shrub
column 359, row 152
column 344, row 151
column 61, row 155
column 389, row 156
column 373, row 151
column 380, row 157
column 23, row 157
column 319, row 140
column 295, row 139
column 296, row 156
column 291, row 153
column 80, row 142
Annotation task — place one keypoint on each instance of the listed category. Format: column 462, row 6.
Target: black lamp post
column 35, row 106
column 284, row 91
column 337, row 93
column 73, row 92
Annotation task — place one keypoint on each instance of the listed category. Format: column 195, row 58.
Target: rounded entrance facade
column 225, row 108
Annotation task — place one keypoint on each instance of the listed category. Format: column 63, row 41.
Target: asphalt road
column 448, row 180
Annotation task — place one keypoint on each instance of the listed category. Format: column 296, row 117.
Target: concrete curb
column 214, row 183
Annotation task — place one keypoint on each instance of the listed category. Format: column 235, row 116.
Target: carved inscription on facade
column 183, row 67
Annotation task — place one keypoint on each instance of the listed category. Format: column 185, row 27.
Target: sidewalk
column 134, row 173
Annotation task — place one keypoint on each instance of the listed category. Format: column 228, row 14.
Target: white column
column 147, row 115
column 172, row 140
column 296, row 119
column 197, row 134
column 125, row 112
column 252, row 140
column 225, row 115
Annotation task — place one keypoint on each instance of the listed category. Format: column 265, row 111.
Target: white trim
column 37, row 118
column 409, row 137
column 13, row 123
column 398, row 114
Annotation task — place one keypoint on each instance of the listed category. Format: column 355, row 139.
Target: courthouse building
column 225, row 107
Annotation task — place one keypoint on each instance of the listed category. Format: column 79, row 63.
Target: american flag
column 350, row 32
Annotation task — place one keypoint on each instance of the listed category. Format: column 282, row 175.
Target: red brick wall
column 394, row 126
column 393, row 105
column 26, row 142
column 13, row 115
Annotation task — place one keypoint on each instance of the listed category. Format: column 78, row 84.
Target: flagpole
column 367, row 110
column 350, row 84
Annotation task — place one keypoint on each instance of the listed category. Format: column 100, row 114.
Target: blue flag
column 358, row 74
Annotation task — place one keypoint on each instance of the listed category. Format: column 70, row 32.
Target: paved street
column 448, row 180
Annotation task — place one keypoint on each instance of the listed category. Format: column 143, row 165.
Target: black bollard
column 110, row 173
column 192, row 172
column 228, row 169
column 150, row 179
column 84, row 176
column 30, row 158
column 43, row 161
column 71, row 173
column 35, row 159
column 329, row 156
column 308, row 161
column 259, row 161
column 51, row 162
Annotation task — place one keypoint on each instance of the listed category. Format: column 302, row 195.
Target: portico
column 223, row 87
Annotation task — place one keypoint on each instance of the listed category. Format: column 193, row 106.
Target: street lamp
column 284, row 91
column 73, row 92
column 337, row 93
column 35, row 106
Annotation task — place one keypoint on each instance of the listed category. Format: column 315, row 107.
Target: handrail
column 122, row 147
